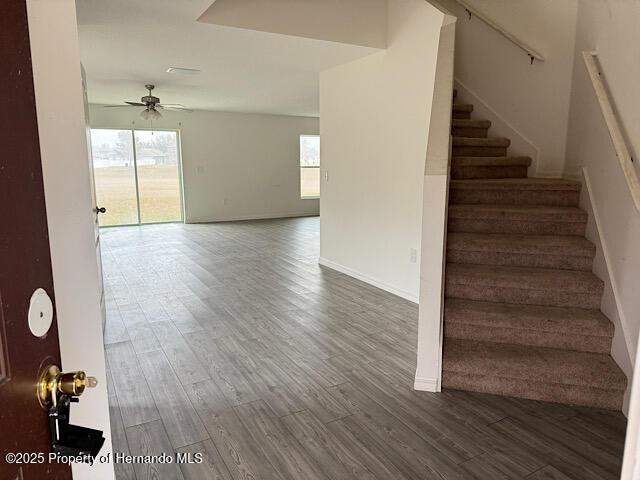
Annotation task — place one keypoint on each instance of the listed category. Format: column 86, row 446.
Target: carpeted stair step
column 470, row 128
column 523, row 286
column 516, row 191
column 480, row 147
column 462, row 111
column 489, row 167
column 537, row 373
column 564, row 252
column 517, row 219
column 575, row 329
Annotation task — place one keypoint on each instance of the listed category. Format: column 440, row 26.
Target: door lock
column 59, row 390
column 54, row 383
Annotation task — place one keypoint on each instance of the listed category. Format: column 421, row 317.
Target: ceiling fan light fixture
column 150, row 113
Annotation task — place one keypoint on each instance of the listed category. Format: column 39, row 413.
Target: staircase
column 522, row 308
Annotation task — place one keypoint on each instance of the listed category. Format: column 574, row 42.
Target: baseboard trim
column 424, row 384
column 624, row 322
column 367, row 279
column 259, row 216
column 550, row 174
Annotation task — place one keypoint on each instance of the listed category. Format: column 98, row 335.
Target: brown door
column 25, row 261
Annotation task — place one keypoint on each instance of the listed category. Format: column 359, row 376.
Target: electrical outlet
column 225, row 201
column 413, row 255
column 200, row 169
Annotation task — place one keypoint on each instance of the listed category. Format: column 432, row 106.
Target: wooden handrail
column 532, row 53
column 615, row 130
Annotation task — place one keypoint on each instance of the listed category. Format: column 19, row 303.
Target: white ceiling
column 127, row 43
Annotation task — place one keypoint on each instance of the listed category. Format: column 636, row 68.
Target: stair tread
column 517, row 212
column 571, row 245
column 533, row 364
column 562, row 320
column 524, row 278
column 550, row 184
column 466, row 123
column 490, row 161
column 462, row 107
column 481, row 142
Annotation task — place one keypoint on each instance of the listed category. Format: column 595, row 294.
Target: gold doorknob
column 53, row 382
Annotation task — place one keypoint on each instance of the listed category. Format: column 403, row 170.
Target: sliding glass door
column 115, row 176
column 137, row 176
column 158, row 176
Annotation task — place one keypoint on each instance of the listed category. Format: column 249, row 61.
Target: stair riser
column 471, row 225
column 469, row 173
column 461, row 115
column 520, row 296
column 478, row 151
column 552, row 198
column 470, row 132
column 536, row 338
column 547, row 392
column 560, row 262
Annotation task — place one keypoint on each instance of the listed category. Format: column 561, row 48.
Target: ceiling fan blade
column 175, row 107
column 136, row 104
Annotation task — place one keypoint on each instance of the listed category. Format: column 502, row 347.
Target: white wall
column 358, row 22
column 610, row 28
column 374, row 123
column 65, row 167
column 235, row 166
column 528, row 103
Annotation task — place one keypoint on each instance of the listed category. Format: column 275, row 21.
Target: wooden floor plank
column 183, row 425
column 242, row 454
column 180, row 356
column 230, row 380
column 124, row 471
column 279, row 446
column 211, row 466
column 150, row 439
column 325, row 448
column 548, row 473
column 134, row 397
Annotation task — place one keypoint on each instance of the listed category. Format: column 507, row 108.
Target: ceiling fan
column 152, row 105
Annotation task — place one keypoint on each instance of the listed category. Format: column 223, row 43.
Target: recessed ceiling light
column 183, row 71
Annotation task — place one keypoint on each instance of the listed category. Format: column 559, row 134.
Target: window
column 309, row 166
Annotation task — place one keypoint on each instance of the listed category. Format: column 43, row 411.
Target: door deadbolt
column 53, row 383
